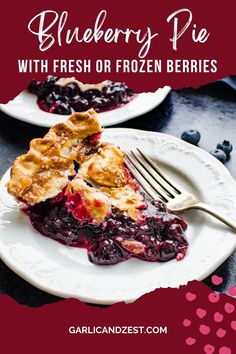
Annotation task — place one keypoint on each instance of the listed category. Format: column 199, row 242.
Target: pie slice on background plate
column 76, row 189
column 68, row 95
column 49, row 102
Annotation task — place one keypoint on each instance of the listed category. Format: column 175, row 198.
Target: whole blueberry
column 226, row 146
column 191, row 136
column 79, row 104
column 106, row 252
column 219, row 155
column 61, row 108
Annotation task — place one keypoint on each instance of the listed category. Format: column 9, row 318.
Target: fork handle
column 224, row 218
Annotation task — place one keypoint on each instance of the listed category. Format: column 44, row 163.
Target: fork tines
column 150, row 177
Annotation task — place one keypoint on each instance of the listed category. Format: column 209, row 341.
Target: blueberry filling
column 158, row 236
column 55, row 98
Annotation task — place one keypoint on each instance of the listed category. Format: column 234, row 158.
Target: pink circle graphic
column 233, row 325
column 190, row 341
column 201, row 313
column 204, row 329
column 190, row 296
column 225, row 350
column 216, row 280
column 229, row 308
column 213, row 297
column 221, row 332
column 209, row 349
column 231, row 291
column 218, row 317
column 186, row 322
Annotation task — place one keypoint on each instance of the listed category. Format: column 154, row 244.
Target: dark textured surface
column 210, row 109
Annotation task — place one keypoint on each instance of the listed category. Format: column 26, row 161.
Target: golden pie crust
column 102, row 180
column 43, row 172
column 96, row 203
column 105, row 168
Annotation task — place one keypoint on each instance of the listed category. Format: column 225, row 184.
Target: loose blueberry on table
column 191, row 136
column 67, row 95
column 219, row 155
column 222, row 151
column 226, row 146
column 77, row 190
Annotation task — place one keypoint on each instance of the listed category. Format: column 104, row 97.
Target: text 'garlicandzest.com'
column 118, row 330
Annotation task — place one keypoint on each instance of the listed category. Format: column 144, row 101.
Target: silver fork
column 158, row 186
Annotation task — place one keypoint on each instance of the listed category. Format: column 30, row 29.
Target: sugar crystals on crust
column 43, row 172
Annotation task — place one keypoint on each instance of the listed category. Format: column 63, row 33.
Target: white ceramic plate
column 66, row 271
column 24, row 107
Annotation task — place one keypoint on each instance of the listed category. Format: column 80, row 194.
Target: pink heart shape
column 216, row 280
column 190, row 296
column 213, row 297
column 190, row 341
column 204, row 329
column 218, row 317
column 201, row 312
column 209, row 349
column 231, row 291
column 220, row 332
column 233, row 325
column 187, row 322
column 225, row 350
column 229, row 308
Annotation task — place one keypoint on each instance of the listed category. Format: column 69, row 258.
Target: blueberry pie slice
column 68, row 95
column 76, row 189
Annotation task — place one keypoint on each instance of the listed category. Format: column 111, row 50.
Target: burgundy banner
column 192, row 319
column 148, row 45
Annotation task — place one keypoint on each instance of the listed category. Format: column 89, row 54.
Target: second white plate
column 24, row 107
